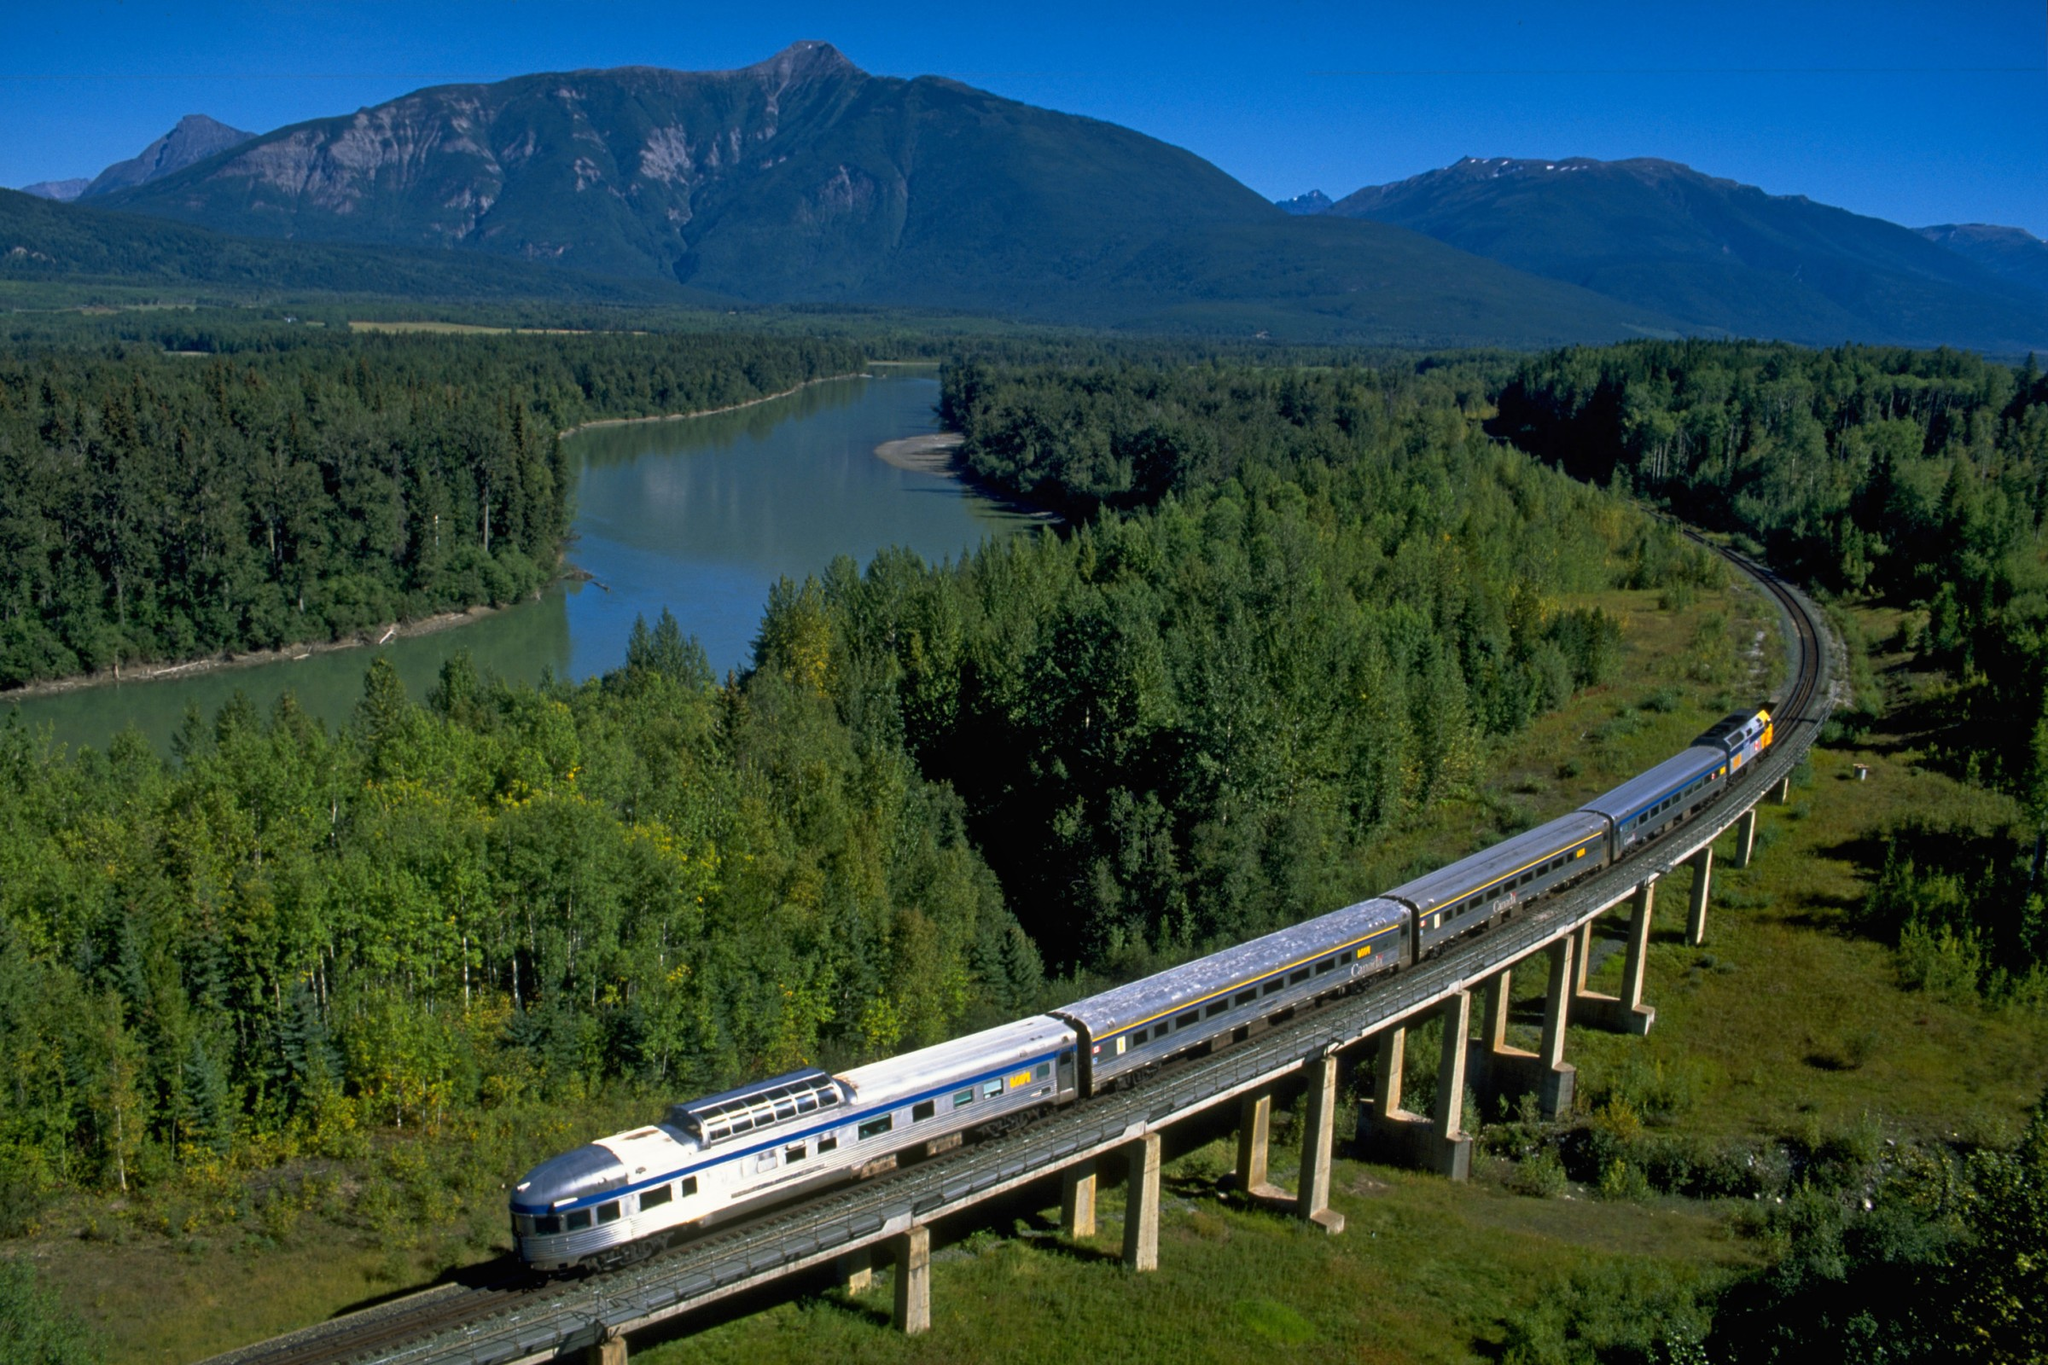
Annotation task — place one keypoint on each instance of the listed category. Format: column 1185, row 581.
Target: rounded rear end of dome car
column 560, row 1217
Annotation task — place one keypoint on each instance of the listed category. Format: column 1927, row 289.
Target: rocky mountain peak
column 808, row 59
column 1303, row 205
column 195, row 138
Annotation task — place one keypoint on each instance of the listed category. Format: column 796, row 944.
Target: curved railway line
column 511, row 1316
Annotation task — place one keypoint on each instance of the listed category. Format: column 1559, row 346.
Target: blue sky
column 1919, row 113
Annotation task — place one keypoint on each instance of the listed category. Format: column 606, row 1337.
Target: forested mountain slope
column 1721, row 256
column 46, row 243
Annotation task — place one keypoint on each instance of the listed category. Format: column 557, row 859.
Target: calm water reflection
column 700, row 516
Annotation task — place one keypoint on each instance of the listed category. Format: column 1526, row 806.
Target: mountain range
column 1726, row 257
column 803, row 179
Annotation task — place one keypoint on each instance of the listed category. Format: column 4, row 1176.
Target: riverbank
column 381, row 634
column 710, row 412
column 931, row 453
column 938, row 452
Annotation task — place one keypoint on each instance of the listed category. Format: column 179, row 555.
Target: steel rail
column 544, row 1323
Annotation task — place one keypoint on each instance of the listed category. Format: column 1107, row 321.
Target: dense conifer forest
column 160, row 506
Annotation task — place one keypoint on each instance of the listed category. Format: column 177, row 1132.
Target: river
column 700, row 515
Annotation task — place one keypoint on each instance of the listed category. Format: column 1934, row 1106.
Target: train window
column 877, row 1126
column 1245, row 998
column 1272, row 987
column 1188, row 1020
column 1346, row 955
column 764, row 1162
column 1216, row 1006
column 828, row 1143
column 991, row 1089
column 1042, row 1072
column 689, row 1186
column 576, row 1220
column 608, row 1212
column 785, row 1107
column 656, row 1197
column 961, row 1097
column 547, row 1226
column 1296, row 978
column 522, row 1225
column 1326, row 965
column 1140, row 1036
column 792, row 1155
column 923, row 1110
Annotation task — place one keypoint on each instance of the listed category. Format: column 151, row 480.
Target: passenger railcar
column 1133, row 1028
column 1645, row 806
column 1469, row 895
column 734, row 1152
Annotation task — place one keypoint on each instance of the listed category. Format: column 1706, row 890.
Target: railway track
column 502, row 1302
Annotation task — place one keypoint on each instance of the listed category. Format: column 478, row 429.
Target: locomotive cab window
column 923, row 1110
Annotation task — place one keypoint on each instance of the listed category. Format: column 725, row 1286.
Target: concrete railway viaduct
column 845, row 1233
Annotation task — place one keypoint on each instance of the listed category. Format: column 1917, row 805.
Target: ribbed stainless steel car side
column 1194, row 1004
column 1487, row 886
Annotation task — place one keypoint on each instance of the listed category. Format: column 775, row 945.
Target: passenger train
column 730, row 1154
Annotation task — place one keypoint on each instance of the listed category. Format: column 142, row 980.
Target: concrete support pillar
column 1626, row 1013
column 1141, row 1205
column 913, row 1281
column 1386, row 1082
column 859, row 1269
column 1313, row 1201
column 1785, row 791
column 1077, row 1199
column 1559, row 1077
column 1745, row 837
column 1389, row 1133
column 1494, row 998
column 1254, row 1133
column 1502, row 1075
column 1450, row 1075
column 1696, row 907
column 1582, row 960
column 610, row 1351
